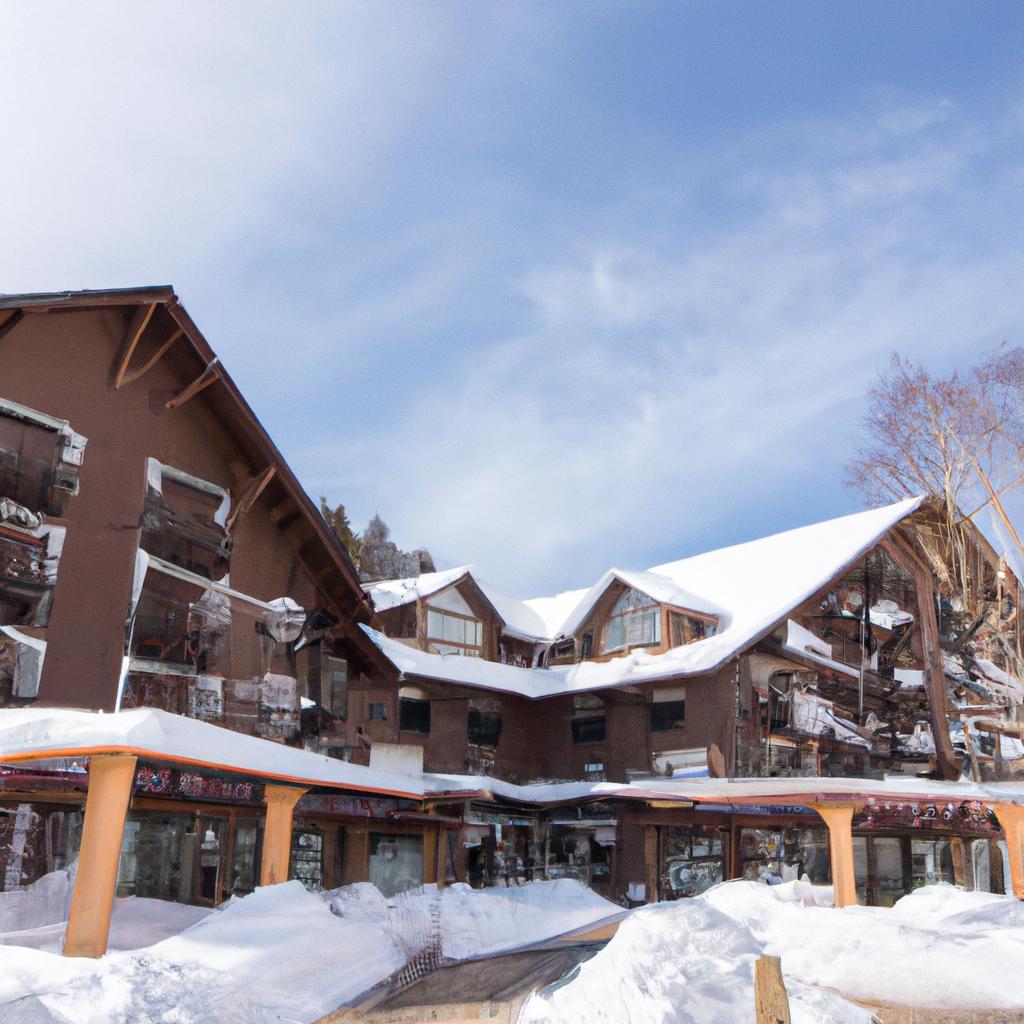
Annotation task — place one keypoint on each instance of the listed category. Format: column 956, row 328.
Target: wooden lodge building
column 821, row 702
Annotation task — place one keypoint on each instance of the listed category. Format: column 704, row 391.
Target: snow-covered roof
column 32, row 734
column 752, row 587
column 394, row 593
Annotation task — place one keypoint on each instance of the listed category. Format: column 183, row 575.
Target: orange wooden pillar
column 839, row 819
column 92, row 901
column 277, row 832
column 1011, row 817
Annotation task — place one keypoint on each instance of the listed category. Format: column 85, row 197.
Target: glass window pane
column 615, row 635
column 454, row 629
column 434, row 624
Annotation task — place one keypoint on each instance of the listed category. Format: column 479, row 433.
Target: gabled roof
column 661, row 588
column 753, row 587
column 230, row 406
column 519, row 620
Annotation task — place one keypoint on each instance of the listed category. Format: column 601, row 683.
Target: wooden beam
column 251, row 494
column 130, row 378
column 137, row 327
column 282, row 511
column 1011, row 817
column 201, row 383
column 11, row 322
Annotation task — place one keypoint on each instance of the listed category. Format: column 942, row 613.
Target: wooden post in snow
column 770, row 1000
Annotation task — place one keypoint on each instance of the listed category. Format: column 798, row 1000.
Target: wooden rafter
column 140, row 321
column 11, row 322
column 249, row 496
column 201, row 383
column 130, row 378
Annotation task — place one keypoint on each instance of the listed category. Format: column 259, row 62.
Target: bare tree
column 943, row 436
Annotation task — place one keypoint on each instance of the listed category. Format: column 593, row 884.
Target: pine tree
column 337, row 520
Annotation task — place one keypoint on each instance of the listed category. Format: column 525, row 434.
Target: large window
column 588, row 721
column 413, row 710
column 334, row 684
column 450, row 633
column 668, row 708
column 483, row 726
column 688, row 629
column 635, row 621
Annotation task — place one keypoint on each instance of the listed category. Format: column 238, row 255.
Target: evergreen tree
column 337, row 520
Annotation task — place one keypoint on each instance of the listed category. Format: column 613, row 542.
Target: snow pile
column 691, row 962
column 279, row 954
column 677, row 963
column 36, row 915
column 937, row 947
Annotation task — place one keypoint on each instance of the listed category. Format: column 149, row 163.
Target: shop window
column 635, row 621
column 668, row 709
column 692, row 860
column 334, row 684
column 396, row 862
column 36, row 839
column 784, row 854
column 413, row 710
column 932, row 861
column 307, row 858
column 576, row 852
column 484, row 723
column 688, row 629
column 588, row 719
column 245, row 857
column 451, row 633
column 39, row 461
column 184, row 521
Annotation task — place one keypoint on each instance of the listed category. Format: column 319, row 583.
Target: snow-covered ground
column 281, row 954
column 691, row 962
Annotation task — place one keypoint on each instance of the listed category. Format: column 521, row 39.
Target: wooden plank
column 770, row 1000
column 130, row 378
column 209, row 376
column 137, row 327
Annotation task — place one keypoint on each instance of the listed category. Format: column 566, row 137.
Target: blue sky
column 551, row 286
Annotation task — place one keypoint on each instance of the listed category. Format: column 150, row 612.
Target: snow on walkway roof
column 33, row 734
column 785, row 791
column 752, row 586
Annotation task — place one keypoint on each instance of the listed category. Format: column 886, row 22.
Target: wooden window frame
column 462, row 647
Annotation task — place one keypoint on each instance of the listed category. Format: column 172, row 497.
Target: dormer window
column 635, row 621
column 688, row 629
column 453, row 633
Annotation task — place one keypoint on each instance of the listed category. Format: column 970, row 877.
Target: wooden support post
column 651, row 866
column 92, row 901
column 770, row 999
column 277, row 832
column 1011, row 817
column 839, row 819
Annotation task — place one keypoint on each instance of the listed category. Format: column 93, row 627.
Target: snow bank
column 937, row 947
column 35, row 916
column 278, row 954
column 677, row 963
column 691, row 962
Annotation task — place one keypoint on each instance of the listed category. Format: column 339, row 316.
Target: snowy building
column 198, row 694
